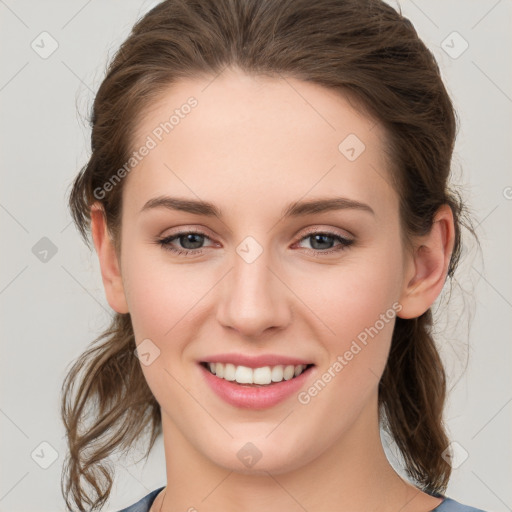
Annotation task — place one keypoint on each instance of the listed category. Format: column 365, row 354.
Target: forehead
column 257, row 137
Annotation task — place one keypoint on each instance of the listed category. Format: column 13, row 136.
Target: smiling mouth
column 262, row 376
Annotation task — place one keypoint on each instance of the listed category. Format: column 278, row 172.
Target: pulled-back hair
column 368, row 52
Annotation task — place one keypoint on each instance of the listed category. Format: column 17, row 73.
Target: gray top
column 448, row 505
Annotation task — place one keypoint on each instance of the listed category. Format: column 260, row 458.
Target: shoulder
column 450, row 505
column 144, row 504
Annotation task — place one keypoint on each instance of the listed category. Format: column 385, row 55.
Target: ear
column 427, row 267
column 110, row 269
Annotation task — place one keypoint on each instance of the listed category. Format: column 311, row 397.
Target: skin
column 252, row 146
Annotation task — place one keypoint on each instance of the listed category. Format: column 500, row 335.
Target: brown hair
column 367, row 51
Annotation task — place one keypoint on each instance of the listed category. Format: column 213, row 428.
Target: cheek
column 358, row 303
column 359, row 307
column 161, row 295
column 357, row 294
column 164, row 302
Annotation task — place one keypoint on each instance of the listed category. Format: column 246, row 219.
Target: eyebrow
column 296, row 209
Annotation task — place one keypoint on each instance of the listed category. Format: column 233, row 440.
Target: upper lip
column 255, row 361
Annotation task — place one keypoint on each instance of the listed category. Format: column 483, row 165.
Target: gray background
column 53, row 305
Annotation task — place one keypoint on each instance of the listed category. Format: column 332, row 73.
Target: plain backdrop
column 53, row 56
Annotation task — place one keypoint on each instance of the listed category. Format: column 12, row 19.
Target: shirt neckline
column 438, row 508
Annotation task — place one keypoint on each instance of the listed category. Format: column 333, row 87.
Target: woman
column 268, row 197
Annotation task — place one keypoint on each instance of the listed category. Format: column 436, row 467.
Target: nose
column 253, row 298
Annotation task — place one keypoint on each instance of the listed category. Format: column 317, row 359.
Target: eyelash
column 165, row 243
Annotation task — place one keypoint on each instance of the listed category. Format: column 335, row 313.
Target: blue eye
column 194, row 240
column 320, row 239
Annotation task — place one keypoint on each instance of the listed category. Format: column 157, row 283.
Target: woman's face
column 258, row 290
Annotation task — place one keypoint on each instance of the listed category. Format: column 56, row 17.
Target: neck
column 353, row 475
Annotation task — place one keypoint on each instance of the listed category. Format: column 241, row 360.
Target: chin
column 259, row 457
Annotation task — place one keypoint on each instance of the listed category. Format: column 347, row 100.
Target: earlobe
column 109, row 264
column 429, row 266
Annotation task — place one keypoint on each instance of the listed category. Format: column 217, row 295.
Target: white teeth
column 261, row 376
column 243, row 375
column 288, row 372
column 277, row 373
column 229, row 371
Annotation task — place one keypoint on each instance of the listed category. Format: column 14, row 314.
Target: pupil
column 324, row 237
column 190, row 239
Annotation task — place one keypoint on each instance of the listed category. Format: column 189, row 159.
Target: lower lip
column 254, row 397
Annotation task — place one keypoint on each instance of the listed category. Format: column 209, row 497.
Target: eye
column 191, row 242
column 321, row 242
